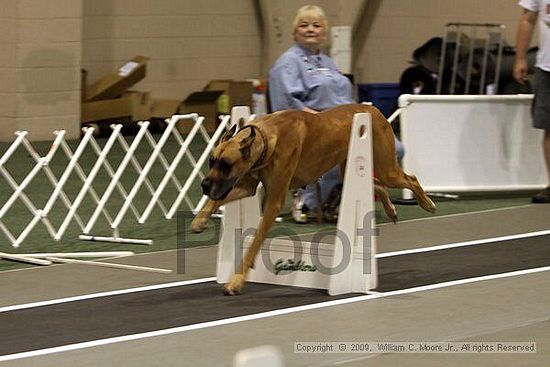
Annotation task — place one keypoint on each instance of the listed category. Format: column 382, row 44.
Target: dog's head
column 229, row 162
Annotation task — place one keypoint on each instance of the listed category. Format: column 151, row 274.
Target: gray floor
column 507, row 309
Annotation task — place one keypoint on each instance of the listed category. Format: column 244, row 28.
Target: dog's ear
column 246, row 143
column 228, row 134
column 242, row 122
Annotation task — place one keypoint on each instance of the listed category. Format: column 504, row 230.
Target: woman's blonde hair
column 309, row 11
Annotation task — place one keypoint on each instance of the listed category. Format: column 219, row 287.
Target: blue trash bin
column 382, row 95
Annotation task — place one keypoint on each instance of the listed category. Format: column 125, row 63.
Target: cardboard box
column 164, row 108
column 239, row 93
column 133, row 105
column 141, row 103
column 115, row 84
column 205, row 103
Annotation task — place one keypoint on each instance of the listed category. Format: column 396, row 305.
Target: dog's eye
column 224, row 165
column 211, row 162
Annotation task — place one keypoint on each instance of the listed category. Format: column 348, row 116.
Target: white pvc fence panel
column 74, row 180
column 471, row 143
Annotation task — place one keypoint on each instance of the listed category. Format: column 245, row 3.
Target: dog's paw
column 234, row 287
column 392, row 213
column 430, row 206
column 230, row 292
column 198, row 225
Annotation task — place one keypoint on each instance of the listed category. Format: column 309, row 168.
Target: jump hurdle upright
column 346, row 265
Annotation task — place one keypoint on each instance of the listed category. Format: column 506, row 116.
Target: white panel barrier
column 74, row 169
column 463, row 143
column 344, row 266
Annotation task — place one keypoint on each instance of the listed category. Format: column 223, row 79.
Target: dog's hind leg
column 423, row 200
column 379, row 190
column 245, row 188
column 404, row 181
column 382, row 193
column 388, row 170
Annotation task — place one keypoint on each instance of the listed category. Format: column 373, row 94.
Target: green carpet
column 166, row 234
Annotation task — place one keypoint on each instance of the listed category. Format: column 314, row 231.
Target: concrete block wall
column 46, row 43
column 400, row 26
column 8, row 80
column 40, row 72
column 189, row 42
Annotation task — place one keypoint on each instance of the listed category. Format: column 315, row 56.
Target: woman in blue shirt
column 306, row 79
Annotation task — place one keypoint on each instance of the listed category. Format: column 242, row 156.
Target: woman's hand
column 306, row 109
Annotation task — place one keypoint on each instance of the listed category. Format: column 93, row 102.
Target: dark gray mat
column 74, row 322
column 105, row 317
column 414, row 270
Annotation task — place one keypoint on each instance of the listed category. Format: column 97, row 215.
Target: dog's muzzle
column 216, row 189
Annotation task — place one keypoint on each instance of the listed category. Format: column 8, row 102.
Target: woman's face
column 310, row 33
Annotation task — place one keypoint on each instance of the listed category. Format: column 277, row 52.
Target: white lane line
column 105, row 294
column 204, row 280
column 435, row 217
column 430, row 218
column 233, row 320
column 463, row 244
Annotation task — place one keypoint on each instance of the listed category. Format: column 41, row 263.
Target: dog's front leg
column 275, row 198
column 201, row 219
column 247, row 187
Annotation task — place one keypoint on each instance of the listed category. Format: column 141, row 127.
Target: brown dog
column 287, row 150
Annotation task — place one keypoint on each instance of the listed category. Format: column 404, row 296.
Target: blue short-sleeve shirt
column 301, row 78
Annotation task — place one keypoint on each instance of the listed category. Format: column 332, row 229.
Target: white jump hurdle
column 344, row 266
